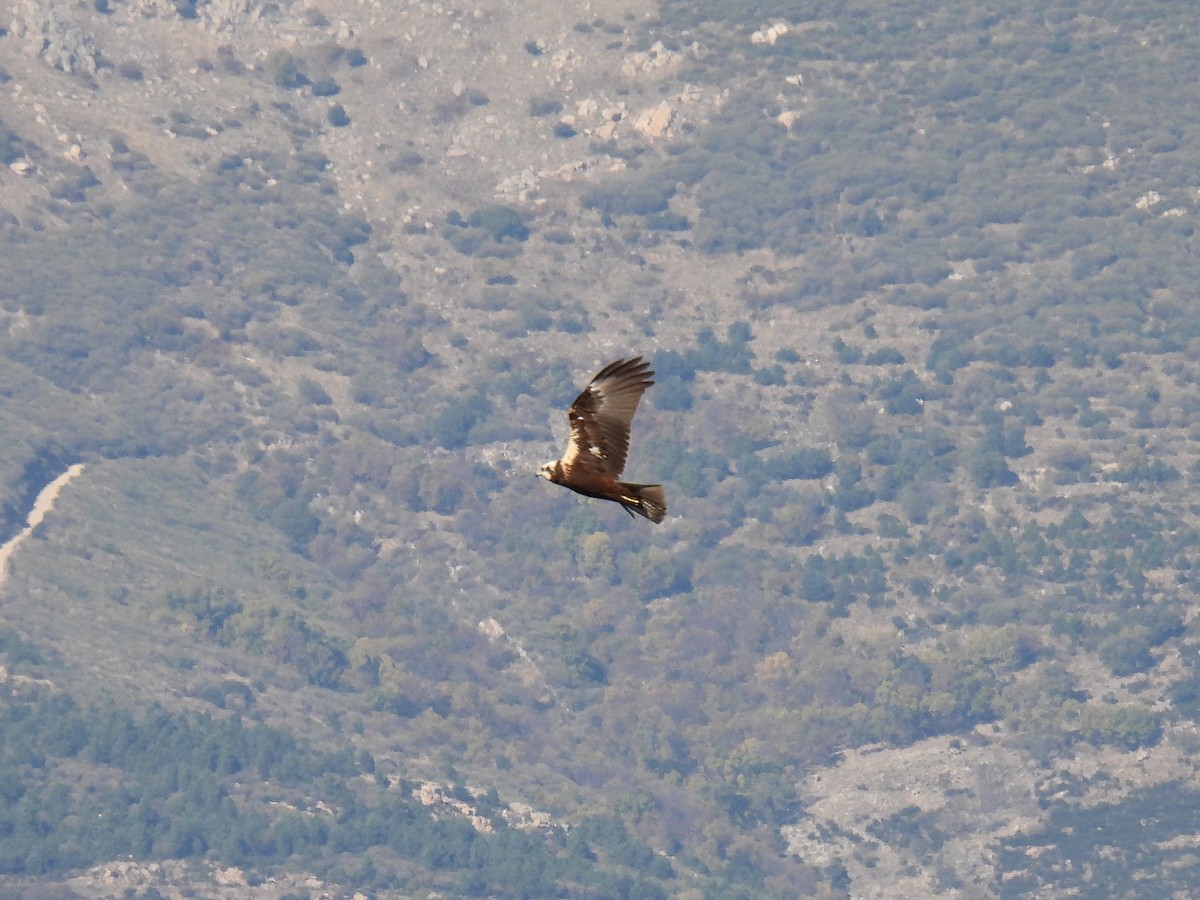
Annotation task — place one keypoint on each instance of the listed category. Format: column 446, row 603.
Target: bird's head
column 547, row 471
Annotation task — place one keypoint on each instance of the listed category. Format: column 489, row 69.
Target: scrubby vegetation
column 927, row 448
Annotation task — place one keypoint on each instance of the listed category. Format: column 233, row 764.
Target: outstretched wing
column 601, row 416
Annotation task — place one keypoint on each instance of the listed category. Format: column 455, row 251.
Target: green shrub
column 501, row 222
column 284, row 70
column 325, row 87
column 544, row 106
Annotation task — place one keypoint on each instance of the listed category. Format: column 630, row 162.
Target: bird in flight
column 600, row 420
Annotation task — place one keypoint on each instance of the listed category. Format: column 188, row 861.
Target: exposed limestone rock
column 787, row 118
column 562, row 60
column 225, row 15
column 657, row 59
column 177, row 878
column 48, row 33
column 432, row 794
column 230, row 877
column 1148, row 199
column 215, row 16
column 770, row 34
column 490, row 628
column 518, row 186
column 150, row 9
column 655, row 121
column 526, row 818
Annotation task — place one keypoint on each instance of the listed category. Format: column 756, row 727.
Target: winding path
column 42, row 505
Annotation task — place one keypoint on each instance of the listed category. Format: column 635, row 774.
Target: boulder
column 655, row 121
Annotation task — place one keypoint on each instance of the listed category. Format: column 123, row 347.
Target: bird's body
column 600, row 419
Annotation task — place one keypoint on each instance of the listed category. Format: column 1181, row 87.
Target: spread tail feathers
column 649, row 500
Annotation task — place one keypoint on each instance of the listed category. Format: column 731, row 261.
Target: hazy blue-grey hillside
column 306, row 289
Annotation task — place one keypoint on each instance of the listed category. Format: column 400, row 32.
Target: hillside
column 301, row 291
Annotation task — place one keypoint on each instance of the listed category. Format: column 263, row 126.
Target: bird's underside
column 600, row 420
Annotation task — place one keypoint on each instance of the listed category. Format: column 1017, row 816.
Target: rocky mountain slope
column 306, row 287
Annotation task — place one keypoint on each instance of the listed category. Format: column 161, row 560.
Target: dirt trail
column 41, row 506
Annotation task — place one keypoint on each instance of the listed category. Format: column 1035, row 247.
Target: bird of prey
column 600, row 420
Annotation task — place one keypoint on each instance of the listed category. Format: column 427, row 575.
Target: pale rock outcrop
column 216, row 16
column 788, row 118
column 526, row 818
column 225, row 15
column 152, row 9
column 655, row 121
column 770, row 34
column 656, row 59
column 230, row 877
column 433, row 794
column 1148, row 199
column 47, row 32
column 518, row 186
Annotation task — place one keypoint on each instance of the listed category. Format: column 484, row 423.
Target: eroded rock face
column 214, row 15
column 46, row 31
column 654, row 122
column 59, row 34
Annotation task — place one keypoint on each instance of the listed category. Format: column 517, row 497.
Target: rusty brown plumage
column 600, row 419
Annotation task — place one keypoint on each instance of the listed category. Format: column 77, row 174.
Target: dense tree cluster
column 180, row 786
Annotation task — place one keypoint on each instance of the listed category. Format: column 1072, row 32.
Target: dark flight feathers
column 602, row 415
column 600, row 419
